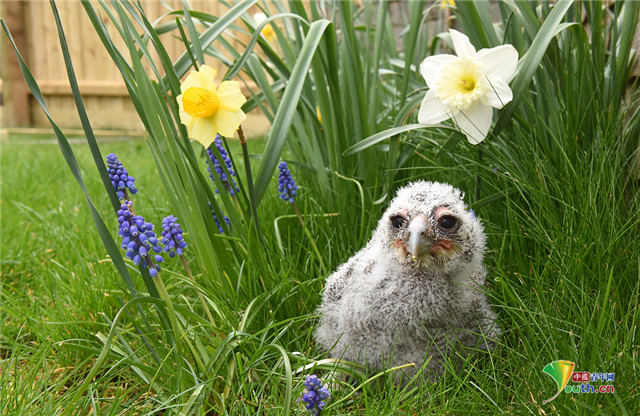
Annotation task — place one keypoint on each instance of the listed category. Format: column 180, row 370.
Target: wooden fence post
column 16, row 101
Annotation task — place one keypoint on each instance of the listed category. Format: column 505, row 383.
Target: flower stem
column 193, row 280
column 177, row 332
column 247, row 167
column 313, row 243
column 128, row 198
column 235, row 200
column 478, row 178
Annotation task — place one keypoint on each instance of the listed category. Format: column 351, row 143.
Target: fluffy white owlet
column 415, row 291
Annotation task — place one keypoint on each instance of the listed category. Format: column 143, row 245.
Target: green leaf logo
column 560, row 371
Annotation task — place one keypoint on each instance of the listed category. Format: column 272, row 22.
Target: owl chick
column 414, row 292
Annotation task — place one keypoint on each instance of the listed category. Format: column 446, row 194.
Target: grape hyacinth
column 286, row 185
column 120, row 177
column 315, row 396
column 229, row 184
column 138, row 239
column 226, row 219
column 172, row 239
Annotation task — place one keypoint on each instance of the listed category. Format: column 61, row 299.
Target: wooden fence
column 104, row 93
column 33, row 28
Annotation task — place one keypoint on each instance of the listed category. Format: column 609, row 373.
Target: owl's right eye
column 397, row 220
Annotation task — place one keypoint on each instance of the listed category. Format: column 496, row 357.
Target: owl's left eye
column 397, row 220
column 447, row 222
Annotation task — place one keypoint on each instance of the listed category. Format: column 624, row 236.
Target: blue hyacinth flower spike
column 139, row 240
column 315, row 395
column 120, row 178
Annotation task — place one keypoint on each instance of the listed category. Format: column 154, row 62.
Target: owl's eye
column 447, row 223
column 397, row 220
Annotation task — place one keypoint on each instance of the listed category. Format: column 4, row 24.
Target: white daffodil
column 467, row 87
column 266, row 31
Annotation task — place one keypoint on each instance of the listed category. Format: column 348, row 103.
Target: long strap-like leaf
column 529, row 63
column 288, row 104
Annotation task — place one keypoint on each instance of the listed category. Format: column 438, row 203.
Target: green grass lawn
column 563, row 278
column 555, row 183
column 56, row 282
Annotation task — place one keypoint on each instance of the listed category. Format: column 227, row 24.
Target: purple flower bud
column 315, row 395
column 138, row 240
column 172, row 233
column 286, row 185
column 231, row 186
column 323, row 393
column 226, row 220
column 119, row 176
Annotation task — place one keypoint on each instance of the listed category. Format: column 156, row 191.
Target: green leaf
column 476, row 21
column 410, row 42
column 287, row 109
column 215, row 30
column 240, row 62
column 193, row 34
column 378, row 137
column 529, row 63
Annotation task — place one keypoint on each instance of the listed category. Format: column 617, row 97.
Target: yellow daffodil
column 208, row 109
column 447, row 3
column 266, row 31
column 467, row 87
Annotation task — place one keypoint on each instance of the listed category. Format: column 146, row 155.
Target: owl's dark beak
column 419, row 243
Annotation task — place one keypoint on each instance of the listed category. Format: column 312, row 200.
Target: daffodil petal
column 499, row 93
column 462, row 45
column 209, row 75
column 203, row 130
column 259, row 17
column 475, row 122
column 500, row 61
column 432, row 66
column 194, row 79
column 181, row 108
column 432, row 109
column 185, row 118
column 228, row 121
column 230, row 96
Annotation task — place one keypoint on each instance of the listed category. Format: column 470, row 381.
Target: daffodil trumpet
column 209, row 109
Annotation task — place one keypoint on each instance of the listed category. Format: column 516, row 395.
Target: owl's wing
column 479, row 276
column 340, row 280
